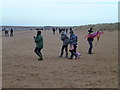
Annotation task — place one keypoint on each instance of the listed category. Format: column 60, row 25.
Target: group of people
column 7, row 33
column 72, row 41
column 60, row 30
column 64, row 29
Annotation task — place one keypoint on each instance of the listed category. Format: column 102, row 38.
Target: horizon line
column 56, row 25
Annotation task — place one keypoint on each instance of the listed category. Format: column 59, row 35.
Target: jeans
column 73, row 52
column 91, row 46
column 38, row 52
column 66, row 50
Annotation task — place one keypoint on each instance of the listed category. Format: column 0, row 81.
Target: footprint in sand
column 17, row 79
column 34, row 75
column 25, row 86
column 74, row 66
column 17, row 65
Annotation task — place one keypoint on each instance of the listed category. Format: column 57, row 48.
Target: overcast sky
column 58, row 12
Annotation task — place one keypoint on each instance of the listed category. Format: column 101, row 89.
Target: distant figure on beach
column 11, row 32
column 90, row 38
column 6, row 33
column 71, row 30
column 60, row 30
column 73, row 45
column 63, row 29
column 65, row 40
column 53, row 30
column 39, row 45
column 66, row 30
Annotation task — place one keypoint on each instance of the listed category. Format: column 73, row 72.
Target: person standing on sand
column 73, row 45
column 6, row 33
column 90, row 38
column 71, row 30
column 65, row 40
column 11, row 32
column 66, row 30
column 54, row 31
column 90, row 41
column 39, row 45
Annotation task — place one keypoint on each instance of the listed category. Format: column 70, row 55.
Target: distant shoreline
column 103, row 26
column 52, row 25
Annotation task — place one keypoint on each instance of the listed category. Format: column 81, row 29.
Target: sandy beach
column 21, row 69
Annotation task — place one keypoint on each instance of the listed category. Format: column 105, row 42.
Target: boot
column 61, row 55
column 66, row 55
column 89, row 52
column 40, row 59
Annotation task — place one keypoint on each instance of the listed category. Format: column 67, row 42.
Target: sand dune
column 22, row 70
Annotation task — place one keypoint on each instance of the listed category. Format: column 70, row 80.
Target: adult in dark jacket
column 65, row 40
column 39, row 45
column 11, row 32
column 54, row 30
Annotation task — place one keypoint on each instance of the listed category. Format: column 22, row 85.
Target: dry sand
column 22, row 70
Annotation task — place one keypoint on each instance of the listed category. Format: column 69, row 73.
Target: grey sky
column 58, row 12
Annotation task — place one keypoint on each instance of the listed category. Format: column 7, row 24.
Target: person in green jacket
column 39, row 45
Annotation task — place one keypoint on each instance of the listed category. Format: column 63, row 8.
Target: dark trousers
column 6, row 34
column 66, row 50
column 38, row 52
column 73, row 52
column 91, row 46
column 11, row 34
column 53, row 32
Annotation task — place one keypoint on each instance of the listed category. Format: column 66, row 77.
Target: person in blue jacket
column 73, row 43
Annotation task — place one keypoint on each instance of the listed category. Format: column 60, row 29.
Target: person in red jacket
column 90, row 38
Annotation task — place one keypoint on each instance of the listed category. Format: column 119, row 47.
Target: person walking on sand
column 11, row 32
column 65, row 40
column 60, row 30
column 54, row 31
column 6, row 33
column 39, row 45
column 71, row 30
column 73, row 45
column 66, row 30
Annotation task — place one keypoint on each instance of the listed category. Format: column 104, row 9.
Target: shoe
column 40, row 59
column 60, row 56
column 90, row 53
column 77, row 57
column 66, row 57
column 69, row 58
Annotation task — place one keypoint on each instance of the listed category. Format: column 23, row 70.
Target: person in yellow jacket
column 39, row 45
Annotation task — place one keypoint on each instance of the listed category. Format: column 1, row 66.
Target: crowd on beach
column 72, row 41
column 8, row 32
column 69, row 43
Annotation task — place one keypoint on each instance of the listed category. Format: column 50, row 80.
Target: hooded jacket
column 39, row 41
column 65, row 39
column 73, row 39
